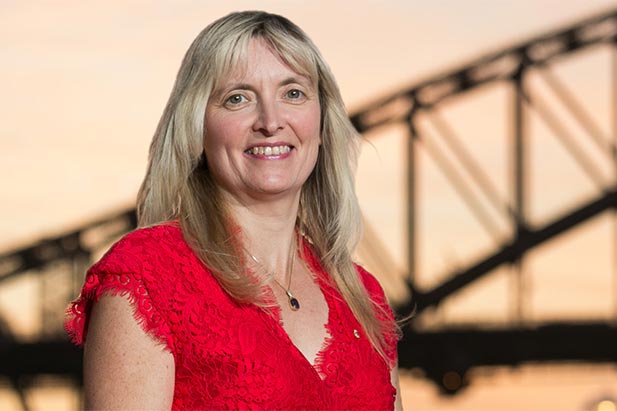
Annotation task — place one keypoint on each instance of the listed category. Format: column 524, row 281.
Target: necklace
column 294, row 304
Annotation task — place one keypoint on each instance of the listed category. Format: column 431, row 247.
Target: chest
column 306, row 326
column 230, row 355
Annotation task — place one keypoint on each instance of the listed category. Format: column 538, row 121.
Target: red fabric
column 230, row 355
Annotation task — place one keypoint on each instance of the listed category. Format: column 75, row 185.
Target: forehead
column 258, row 59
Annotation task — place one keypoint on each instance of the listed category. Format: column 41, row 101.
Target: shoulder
column 376, row 294
column 142, row 246
column 383, row 312
column 156, row 236
column 140, row 267
column 370, row 282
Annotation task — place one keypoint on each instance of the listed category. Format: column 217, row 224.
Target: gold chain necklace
column 294, row 304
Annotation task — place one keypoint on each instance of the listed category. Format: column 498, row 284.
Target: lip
column 270, row 157
column 264, row 157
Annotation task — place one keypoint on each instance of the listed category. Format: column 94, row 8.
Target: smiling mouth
column 269, row 150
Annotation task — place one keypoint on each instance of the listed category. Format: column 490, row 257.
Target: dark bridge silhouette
column 446, row 354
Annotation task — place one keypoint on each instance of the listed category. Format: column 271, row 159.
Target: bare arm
column 124, row 368
column 398, row 404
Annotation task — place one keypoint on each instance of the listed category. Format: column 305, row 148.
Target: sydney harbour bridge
column 441, row 352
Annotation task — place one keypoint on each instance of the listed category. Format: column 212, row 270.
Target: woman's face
column 262, row 130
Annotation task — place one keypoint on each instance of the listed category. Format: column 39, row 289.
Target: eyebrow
column 300, row 79
column 245, row 86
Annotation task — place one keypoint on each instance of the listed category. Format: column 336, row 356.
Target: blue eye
column 294, row 94
column 236, row 99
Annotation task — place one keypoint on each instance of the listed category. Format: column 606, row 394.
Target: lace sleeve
column 117, row 273
column 383, row 312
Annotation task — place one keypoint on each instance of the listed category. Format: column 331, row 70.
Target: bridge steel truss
column 444, row 355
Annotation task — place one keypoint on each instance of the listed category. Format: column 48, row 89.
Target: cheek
column 218, row 134
column 210, row 130
column 310, row 124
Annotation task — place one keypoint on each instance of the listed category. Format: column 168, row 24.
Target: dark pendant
column 294, row 303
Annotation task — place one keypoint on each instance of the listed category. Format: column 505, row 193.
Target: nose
column 269, row 118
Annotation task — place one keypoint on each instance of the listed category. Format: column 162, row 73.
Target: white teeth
column 269, row 150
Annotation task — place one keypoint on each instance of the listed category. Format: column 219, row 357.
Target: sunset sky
column 84, row 83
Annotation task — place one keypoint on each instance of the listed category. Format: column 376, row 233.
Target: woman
column 238, row 291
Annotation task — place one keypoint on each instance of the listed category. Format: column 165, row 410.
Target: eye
column 236, row 99
column 295, row 94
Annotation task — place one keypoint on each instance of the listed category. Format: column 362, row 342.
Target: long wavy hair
column 178, row 185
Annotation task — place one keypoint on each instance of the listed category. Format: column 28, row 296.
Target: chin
column 277, row 189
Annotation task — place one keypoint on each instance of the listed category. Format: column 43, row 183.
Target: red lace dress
column 230, row 355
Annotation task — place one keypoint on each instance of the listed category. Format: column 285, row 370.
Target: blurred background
column 487, row 181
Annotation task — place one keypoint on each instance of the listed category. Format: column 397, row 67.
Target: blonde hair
column 178, row 185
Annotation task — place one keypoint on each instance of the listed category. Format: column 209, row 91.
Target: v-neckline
column 318, row 273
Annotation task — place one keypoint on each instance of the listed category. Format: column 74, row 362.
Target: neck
column 268, row 231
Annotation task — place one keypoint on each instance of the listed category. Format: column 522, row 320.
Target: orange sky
column 83, row 85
